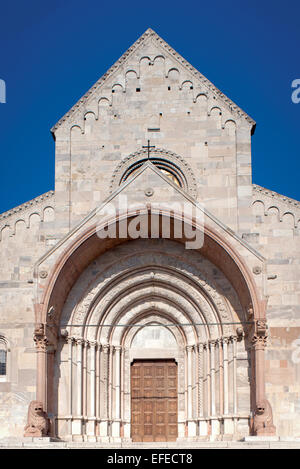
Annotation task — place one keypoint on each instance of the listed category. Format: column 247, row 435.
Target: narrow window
column 3, row 358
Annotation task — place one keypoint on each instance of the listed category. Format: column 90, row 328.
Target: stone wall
column 153, row 93
column 276, row 234
column 26, row 232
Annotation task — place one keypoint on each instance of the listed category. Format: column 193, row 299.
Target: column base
column 126, row 431
column 77, row 429
column 91, row 430
column 192, row 429
column 229, row 426
column 103, row 439
column 203, row 428
column 115, row 429
column 215, row 427
column 103, row 429
column 115, row 439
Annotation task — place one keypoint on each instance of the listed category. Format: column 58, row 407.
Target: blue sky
column 53, row 52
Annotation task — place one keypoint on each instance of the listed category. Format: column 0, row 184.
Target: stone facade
column 229, row 308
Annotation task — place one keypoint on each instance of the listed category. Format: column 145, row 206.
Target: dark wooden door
column 154, row 400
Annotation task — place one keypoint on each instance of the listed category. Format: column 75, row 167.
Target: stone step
column 258, row 444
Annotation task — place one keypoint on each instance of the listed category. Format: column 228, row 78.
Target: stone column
column 45, row 342
column 200, row 379
column 225, row 375
column 221, row 376
column 125, row 391
column 110, row 388
column 70, row 359
column 235, row 407
column 213, row 380
column 263, row 418
column 98, row 382
column 208, row 384
column 228, row 421
column 202, row 422
column 85, row 378
column 215, row 425
column 41, row 343
column 104, row 394
column 77, row 420
column 195, row 382
column 91, row 425
column 116, row 425
column 191, row 423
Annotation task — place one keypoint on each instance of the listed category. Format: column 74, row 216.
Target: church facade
column 154, row 294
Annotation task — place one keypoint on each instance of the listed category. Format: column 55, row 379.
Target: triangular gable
column 148, row 177
column 162, row 45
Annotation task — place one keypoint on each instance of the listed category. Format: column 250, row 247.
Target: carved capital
column 41, row 343
column 40, row 338
column 225, row 340
column 200, row 348
column 79, row 341
column 105, row 348
column 259, row 342
column 44, row 339
column 212, row 343
column 259, row 337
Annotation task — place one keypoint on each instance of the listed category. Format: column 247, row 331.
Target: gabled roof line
column 120, row 189
column 147, row 34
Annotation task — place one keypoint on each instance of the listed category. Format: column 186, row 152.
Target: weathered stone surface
column 152, row 93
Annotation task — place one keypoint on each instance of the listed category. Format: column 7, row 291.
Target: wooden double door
column 154, row 400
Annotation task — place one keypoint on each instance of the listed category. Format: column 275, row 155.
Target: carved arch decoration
column 141, row 283
column 163, row 159
column 87, row 247
column 134, row 279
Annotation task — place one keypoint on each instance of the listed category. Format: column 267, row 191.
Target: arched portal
column 119, row 300
column 103, row 291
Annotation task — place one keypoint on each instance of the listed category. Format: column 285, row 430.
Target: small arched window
column 169, row 169
column 3, row 357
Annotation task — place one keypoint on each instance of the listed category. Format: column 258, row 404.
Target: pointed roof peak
column 150, row 33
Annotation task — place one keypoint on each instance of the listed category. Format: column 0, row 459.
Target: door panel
column 154, row 400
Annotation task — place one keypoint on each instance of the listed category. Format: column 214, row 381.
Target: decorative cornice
column 284, row 205
column 150, row 34
column 275, row 196
column 27, row 205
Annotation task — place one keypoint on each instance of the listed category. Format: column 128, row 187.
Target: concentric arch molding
column 174, row 163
